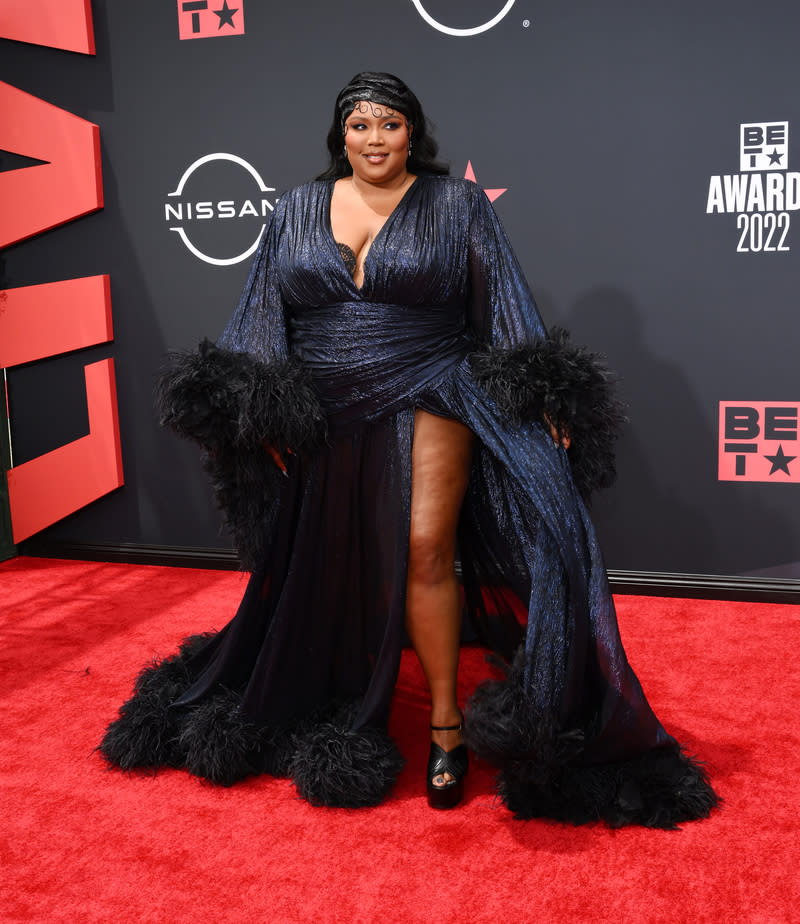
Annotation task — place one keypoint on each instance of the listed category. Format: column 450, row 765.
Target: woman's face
column 376, row 138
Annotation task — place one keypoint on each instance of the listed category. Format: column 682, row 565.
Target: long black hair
column 387, row 90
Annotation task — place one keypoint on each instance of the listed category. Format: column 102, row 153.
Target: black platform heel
column 455, row 762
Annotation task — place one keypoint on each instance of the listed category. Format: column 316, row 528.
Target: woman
column 388, row 360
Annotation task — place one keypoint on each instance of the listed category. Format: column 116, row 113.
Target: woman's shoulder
column 451, row 188
column 304, row 193
column 455, row 184
column 294, row 203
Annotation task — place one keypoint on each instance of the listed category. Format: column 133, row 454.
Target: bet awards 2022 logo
column 493, row 17
column 764, row 193
column 209, row 18
column 220, row 208
column 758, row 441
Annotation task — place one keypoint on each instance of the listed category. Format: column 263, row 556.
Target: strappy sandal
column 455, row 763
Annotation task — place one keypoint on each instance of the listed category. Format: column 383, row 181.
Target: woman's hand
column 564, row 439
column 277, row 458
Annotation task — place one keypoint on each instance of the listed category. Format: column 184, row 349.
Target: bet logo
column 758, row 441
column 764, row 146
column 764, row 193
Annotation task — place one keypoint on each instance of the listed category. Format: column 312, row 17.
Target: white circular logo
column 219, row 195
column 450, row 30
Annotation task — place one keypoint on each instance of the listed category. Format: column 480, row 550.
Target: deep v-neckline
column 381, row 230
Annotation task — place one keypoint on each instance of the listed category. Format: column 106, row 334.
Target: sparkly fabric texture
column 322, row 618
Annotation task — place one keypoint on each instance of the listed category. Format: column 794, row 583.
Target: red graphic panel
column 58, row 483
column 38, row 198
column 63, row 24
column 56, row 317
column 759, row 441
column 45, row 320
column 210, row 18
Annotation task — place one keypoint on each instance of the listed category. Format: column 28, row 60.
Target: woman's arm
column 534, row 375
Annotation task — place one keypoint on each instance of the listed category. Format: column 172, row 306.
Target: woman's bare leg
column 440, row 462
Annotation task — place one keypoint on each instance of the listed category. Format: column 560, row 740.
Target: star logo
column 780, row 461
column 225, row 15
column 491, row 193
column 198, row 19
column 775, row 157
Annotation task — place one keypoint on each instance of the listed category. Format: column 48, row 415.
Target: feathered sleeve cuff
column 224, row 399
column 553, row 380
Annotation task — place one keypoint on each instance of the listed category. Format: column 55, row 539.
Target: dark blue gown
column 299, row 683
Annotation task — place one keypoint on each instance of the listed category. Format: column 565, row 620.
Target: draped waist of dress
column 369, row 360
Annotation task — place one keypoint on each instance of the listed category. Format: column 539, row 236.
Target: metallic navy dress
column 299, row 683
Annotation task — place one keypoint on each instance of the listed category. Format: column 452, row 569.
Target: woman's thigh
column 440, row 466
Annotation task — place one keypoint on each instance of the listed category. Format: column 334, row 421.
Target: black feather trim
column 145, row 734
column 222, row 398
column 568, row 386
column 329, row 762
column 246, row 485
column 223, row 745
column 213, row 740
column 193, row 644
column 335, row 766
column 501, row 728
column 233, row 404
column 541, row 775
column 219, row 743
column 658, row 789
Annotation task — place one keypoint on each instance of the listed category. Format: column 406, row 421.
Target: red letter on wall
column 45, row 320
column 38, row 198
column 63, row 24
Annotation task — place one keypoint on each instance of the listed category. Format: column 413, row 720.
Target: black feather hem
column 660, row 788
column 543, row 771
column 500, row 728
column 144, row 735
column 337, row 766
column 329, row 762
column 224, row 399
column 553, row 380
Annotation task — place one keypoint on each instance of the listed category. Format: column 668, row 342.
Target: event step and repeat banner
column 644, row 158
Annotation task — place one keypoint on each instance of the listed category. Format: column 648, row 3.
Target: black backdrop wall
column 641, row 209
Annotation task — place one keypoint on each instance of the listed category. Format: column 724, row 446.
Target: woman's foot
column 448, row 763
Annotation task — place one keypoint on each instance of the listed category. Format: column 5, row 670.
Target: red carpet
column 81, row 843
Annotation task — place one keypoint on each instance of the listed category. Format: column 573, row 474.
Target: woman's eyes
column 362, row 126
